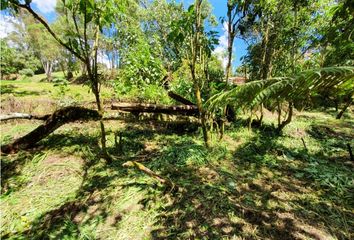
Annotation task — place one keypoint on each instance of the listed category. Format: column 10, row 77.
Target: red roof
column 237, row 80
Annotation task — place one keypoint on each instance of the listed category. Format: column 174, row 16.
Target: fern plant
column 296, row 90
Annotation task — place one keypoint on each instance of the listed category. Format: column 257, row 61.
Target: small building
column 237, row 80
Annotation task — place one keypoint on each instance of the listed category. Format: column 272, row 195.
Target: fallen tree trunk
column 54, row 121
column 127, row 117
column 156, row 108
column 13, row 116
column 179, row 98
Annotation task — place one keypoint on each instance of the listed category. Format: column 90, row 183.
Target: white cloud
column 221, row 50
column 103, row 58
column 45, row 6
column 7, row 25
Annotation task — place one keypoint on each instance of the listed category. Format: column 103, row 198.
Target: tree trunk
column 47, row 65
column 288, row 119
column 203, row 119
column 230, row 41
column 340, row 114
column 196, row 51
column 13, row 116
column 187, row 110
column 179, row 98
column 57, row 119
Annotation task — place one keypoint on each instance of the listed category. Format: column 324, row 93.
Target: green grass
column 31, row 90
column 252, row 185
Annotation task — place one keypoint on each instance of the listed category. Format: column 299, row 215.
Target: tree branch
column 46, row 25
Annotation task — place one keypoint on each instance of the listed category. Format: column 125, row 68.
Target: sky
column 240, row 46
column 46, row 8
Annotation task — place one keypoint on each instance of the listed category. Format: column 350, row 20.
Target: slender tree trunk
column 196, row 51
column 231, row 28
column 96, row 90
column 288, row 119
column 203, row 118
column 279, row 114
column 49, row 70
column 229, row 58
column 340, row 114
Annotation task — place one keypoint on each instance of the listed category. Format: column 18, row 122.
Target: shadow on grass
column 11, row 89
column 91, row 201
column 11, row 170
column 259, row 198
column 259, row 195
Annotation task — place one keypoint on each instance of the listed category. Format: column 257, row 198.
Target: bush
column 26, row 72
column 151, row 93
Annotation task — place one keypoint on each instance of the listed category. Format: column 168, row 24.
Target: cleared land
column 252, row 185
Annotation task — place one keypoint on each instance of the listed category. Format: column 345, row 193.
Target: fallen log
column 127, row 117
column 13, row 116
column 156, row 108
column 54, row 121
column 179, row 98
column 149, row 172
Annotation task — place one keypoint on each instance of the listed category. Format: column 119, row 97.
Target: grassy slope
column 28, row 88
column 253, row 185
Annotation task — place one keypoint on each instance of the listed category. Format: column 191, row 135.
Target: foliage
column 26, row 72
column 296, row 89
column 157, row 18
column 338, row 35
column 141, row 67
column 6, row 59
column 13, row 59
column 152, row 93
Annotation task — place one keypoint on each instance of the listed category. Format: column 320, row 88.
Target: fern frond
column 294, row 88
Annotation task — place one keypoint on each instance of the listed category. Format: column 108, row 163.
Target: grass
column 29, row 88
column 252, row 185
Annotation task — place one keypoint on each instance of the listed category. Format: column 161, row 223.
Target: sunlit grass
column 249, row 185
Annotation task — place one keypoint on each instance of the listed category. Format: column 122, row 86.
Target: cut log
column 149, row 172
column 57, row 119
column 13, row 116
column 156, row 108
column 179, row 98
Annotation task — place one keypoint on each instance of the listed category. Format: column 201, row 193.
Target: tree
column 44, row 47
column 236, row 12
column 196, row 45
column 16, row 58
column 337, row 37
column 6, row 59
column 157, row 19
column 86, row 20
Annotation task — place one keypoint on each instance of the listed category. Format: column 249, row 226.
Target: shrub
column 26, row 72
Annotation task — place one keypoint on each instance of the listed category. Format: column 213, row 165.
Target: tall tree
column 44, row 47
column 87, row 18
column 195, row 45
column 236, row 12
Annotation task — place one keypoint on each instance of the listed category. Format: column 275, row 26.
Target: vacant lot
column 252, row 185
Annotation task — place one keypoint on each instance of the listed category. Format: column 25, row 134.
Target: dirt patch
column 58, row 159
column 36, row 107
column 208, row 174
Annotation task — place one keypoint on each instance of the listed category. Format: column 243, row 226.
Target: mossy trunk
column 203, row 118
